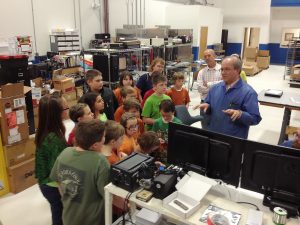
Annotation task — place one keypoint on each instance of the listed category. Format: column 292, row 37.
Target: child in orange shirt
column 130, row 124
column 133, row 106
column 127, row 92
column 178, row 93
column 114, row 135
column 126, row 80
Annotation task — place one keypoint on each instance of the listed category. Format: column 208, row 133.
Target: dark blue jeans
column 53, row 197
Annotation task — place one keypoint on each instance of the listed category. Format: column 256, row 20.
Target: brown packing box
column 70, row 96
column 250, row 52
column 250, row 60
column 20, row 152
column 66, row 71
column 22, row 175
column 64, row 85
column 250, row 68
column 38, row 82
column 264, row 53
column 14, row 125
column 263, row 62
column 295, row 73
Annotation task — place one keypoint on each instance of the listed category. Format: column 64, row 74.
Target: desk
column 288, row 101
column 220, row 195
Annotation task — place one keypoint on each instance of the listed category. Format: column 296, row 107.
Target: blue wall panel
column 233, row 48
column 195, row 52
column 285, row 3
column 278, row 55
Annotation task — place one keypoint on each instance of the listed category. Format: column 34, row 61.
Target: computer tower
column 100, row 62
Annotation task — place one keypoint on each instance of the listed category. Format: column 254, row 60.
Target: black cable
column 249, row 203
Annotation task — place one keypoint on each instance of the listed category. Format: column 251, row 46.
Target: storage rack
column 292, row 58
column 64, row 42
column 140, row 52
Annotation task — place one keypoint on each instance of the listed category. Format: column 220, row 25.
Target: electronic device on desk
column 116, row 46
column 127, row 173
column 163, row 185
column 212, row 154
column 128, row 44
column 273, row 171
column 104, row 37
column 273, row 93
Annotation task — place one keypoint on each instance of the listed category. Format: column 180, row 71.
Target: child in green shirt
column 151, row 108
column 82, row 173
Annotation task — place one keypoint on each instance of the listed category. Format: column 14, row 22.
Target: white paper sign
column 20, row 116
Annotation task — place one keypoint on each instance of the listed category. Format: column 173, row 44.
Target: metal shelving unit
column 292, row 57
column 142, row 55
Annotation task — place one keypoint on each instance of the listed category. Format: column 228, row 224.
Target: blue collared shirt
column 239, row 97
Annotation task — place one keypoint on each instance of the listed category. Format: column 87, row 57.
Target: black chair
column 183, row 114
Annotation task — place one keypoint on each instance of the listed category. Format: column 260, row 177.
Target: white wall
column 288, row 17
column 195, row 16
column 154, row 14
column 16, row 19
column 245, row 13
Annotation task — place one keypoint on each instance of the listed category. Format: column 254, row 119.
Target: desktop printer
column 127, row 173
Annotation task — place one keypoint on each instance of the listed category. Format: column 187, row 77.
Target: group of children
column 72, row 174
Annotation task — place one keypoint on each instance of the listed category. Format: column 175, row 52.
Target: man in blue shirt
column 232, row 104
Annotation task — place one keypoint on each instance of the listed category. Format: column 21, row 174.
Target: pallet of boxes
column 63, row 82
column 263, row 59
column 249, row 62
column 18, row 147
column 255, row 60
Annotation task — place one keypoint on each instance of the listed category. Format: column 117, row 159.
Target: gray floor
column 30, row 208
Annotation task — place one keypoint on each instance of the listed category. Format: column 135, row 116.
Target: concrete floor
column 30, row 208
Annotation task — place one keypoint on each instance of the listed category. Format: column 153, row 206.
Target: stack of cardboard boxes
column 295, row 73
column 249, row 64
column 263, row 59
column 255, row 60
column 66, row 85
column 19, row 149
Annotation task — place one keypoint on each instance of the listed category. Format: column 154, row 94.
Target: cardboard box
column 22, row 176
column 64, row 85
column 295, row 73
column 264, row 53
column 250, row 68
column 250, row 60
column 263, row 62
column 14, row 125
column 20, row 152
column 36, row 116
column 190, row 190
column 62, row 72
column 250, row 52
column 70, row 96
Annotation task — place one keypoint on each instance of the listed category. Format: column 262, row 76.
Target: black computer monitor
column 218, row 156
column 273, row 171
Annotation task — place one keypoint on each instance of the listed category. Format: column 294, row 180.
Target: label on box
column 7, row 110
column 14, row 138
column 18, row 102
column 13, row 131
column 11, row 119
column 20, row 116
